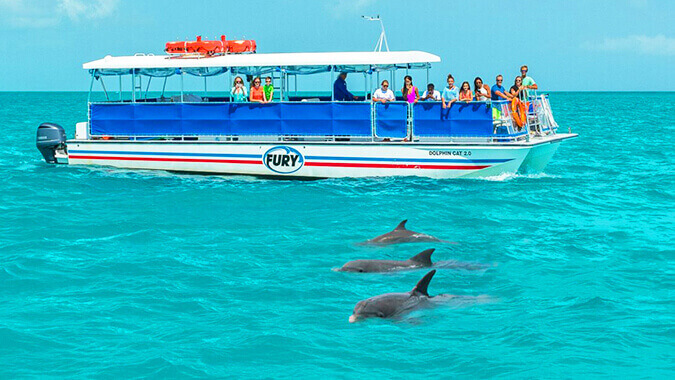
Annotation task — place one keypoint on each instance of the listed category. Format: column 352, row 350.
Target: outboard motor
column 50, row 137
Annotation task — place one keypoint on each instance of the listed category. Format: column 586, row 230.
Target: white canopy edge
column 265, row 60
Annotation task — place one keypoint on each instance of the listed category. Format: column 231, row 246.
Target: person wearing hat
column 340, row 91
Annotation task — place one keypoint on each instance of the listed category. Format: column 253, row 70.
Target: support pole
column 365, row 86
column 164, row 86
column 332, row 85
column 147, row 88
column 393, row 81
column 181, row 85
column 91, row 87
column 283, row 79
column 120, row 78
column 133, row 85
column 104, row 90
column 229, row 89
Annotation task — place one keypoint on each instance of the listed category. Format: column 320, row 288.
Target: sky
column 570, row 45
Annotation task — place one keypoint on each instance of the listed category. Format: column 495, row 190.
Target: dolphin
column 394, row 304
column 400, row 234
column 391, row 305
column 421, row 260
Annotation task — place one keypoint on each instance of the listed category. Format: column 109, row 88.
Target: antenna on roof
column 383, row 36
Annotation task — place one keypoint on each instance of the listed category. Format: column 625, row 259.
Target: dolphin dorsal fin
column 423, row 257
column 421, row 286
column 401, row 226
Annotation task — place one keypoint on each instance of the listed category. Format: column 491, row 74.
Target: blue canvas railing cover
column 391, row 120
column 181, row 119
column 430, row 119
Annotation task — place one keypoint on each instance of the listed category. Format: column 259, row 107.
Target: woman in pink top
column 465, row 94
column 410, row 93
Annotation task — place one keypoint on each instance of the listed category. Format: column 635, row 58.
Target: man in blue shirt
column 498, row 91
column 340, row 91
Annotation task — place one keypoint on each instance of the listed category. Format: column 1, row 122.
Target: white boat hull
column 300, row 159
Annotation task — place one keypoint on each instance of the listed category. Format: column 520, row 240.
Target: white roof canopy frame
column 315, row 62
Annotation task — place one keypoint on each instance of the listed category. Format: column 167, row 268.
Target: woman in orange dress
column 256, row 94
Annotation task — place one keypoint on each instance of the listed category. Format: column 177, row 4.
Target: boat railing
column 469, row 122
column 540, row 119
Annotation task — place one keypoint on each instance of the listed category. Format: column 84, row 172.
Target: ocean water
column 114, row 273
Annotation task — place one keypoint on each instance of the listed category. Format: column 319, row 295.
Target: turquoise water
column 114, row 273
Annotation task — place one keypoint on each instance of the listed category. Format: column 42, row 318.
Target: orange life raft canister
column 209, row 48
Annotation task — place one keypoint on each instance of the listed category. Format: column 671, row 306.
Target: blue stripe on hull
column 330, row 158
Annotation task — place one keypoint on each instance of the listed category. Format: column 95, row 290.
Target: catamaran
column 296, row 136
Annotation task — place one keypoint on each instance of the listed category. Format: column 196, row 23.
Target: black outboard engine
column 50, row 137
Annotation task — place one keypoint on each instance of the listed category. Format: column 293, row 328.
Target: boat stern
column 51, row 142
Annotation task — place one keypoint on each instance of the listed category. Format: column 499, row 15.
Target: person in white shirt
column 384, row 94
column 431, row 94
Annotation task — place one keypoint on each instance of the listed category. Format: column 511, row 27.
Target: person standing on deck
column 431, row 94
column 482, row 89
column 409, row 91
column 528, row 82
column 238, row 93
column 465, row 94
column 268, row 90
column 384, row 94
column 517, row 90
column 340, row 91
column 257, row 94
column 450, row 93
column 498, row 90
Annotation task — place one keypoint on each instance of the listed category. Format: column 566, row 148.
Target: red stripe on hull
column 394, row 166
column 255, row 162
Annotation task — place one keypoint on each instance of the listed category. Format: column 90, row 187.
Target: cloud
column 48, row 13
column 92, row 9
column 642, row 44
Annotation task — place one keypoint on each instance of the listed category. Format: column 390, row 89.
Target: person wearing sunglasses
column 257, row 94
column 238, row 92
column 384, row 94
column 528, row 82
column 517, row 90
column 498, row 90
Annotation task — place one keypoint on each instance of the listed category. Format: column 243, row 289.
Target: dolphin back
column 423, row 284
column 423, row 258
column 401, row 226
